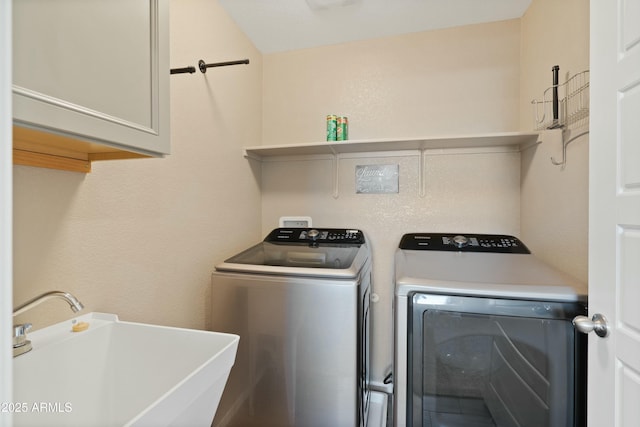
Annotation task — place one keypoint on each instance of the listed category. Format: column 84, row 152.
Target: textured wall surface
column 448, row 82
column 554, row 199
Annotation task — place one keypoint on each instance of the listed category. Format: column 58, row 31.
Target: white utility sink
column 121, row 374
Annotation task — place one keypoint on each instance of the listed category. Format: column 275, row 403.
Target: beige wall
column 139, row 238
column 555, row 200
column 454, row 81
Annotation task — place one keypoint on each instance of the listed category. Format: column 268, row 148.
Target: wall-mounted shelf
column 518, row 139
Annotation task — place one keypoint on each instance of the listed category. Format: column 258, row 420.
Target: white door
column 614, row 213
column 6, row 191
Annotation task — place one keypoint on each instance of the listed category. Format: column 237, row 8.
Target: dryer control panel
column 316, row 235
column 497, row 243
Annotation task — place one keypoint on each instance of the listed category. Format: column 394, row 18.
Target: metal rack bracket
column 183, row 70
column 562, row 163
column 564, row 106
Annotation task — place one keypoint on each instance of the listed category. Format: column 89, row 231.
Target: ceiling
column 282, row 25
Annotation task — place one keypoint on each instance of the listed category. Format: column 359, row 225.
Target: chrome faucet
column 21, row 344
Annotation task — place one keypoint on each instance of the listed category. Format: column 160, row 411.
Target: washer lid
column 335, row 253
column 326, row 256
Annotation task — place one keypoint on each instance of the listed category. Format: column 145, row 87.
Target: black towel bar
column 203, row 65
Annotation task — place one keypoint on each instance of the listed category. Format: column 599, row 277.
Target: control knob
column 460, row 241
column 313, row 236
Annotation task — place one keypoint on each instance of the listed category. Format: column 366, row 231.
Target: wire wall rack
column 564, row 106
column 571, row 107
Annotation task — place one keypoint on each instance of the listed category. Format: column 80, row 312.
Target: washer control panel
column 497, row 243
column 316, row 235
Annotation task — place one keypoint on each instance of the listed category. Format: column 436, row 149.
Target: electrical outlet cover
column 296, row 221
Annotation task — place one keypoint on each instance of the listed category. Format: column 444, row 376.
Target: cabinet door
column 94, row 70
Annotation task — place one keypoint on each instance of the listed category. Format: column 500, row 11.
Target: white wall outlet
column 296, row 221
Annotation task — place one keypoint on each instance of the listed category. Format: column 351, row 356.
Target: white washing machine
column 484, row 336
column 299, row 301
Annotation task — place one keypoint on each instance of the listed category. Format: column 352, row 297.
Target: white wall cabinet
column 90, row 81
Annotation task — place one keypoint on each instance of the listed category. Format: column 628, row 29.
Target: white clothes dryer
column 484, row 336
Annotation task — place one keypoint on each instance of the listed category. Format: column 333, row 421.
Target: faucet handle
column 20, row 333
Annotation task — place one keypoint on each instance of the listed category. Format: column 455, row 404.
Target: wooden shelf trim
column 47, row 150
column 50, row 161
